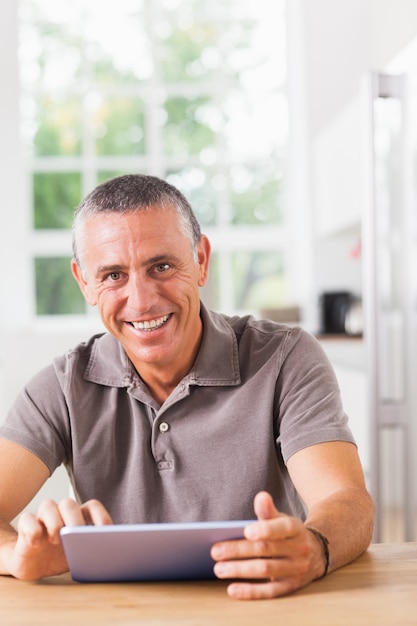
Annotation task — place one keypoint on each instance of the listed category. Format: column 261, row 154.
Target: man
column 181, row 414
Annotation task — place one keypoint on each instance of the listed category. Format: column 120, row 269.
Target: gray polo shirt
column 257, row 393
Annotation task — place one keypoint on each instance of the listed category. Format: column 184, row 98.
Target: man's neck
column 161, row 386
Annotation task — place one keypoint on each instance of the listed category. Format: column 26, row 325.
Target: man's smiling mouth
column 150, row 325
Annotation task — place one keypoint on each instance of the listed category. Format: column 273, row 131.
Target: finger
column 91, row 512
column 50, row 517
column 264, row 506
column 71, row 513
column 276, row 538
column 30, row 529
column 95, row 513
column 259, row 591
column 261, row 578
column 272, row 524
column 256, row 569
column 239, row 550
column 276, row 529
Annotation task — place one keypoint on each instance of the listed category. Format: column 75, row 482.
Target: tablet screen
column 145, row 552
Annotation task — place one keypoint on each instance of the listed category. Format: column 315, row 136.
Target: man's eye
column 162, row 267
column 114, row 276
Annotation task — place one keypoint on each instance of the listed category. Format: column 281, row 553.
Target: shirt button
column 163, row 427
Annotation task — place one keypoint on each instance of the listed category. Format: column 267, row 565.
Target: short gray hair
column 130, row 193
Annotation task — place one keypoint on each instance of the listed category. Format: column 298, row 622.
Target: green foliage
column 200, row 186
column 119, row 127
column 58, row 127
column 96, row 113
column 255, row 195
column 57, row 293
column 55, row 196
column 187, row 129
column 258, row 279
column 181, row 52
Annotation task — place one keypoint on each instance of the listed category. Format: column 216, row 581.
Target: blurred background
column 272, row 118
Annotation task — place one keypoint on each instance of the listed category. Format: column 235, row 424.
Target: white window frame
column 23, row 243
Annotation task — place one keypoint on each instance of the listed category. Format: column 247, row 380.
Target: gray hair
column 130, row 193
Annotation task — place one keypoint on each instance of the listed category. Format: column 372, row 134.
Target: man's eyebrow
column 107, row 269
column 162, row 258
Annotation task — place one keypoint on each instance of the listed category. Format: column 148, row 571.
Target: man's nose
column 140, row 293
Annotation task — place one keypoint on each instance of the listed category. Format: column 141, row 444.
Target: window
column 188, row 90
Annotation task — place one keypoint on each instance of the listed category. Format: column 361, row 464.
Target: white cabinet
column 336, row 154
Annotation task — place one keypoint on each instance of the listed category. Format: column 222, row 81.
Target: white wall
column 335, row 42
column 25, row 346
column 15, row 302
column 342, row 41
column 15, row 305
column 344, row 38
column 392, row 24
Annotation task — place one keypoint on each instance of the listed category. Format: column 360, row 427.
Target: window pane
column 58, row 126
column 190, row 125
column 117, row 45
column 200, row 189
column 258, row 280
column 119, row 127
column 57, row 293
column 83, row 42
column 188, row 48
column 256, row 124
column 256, row 193
column 184, row 89
column 55, row 197
column 104, row 175
column 50, row 44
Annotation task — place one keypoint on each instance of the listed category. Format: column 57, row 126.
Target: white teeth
column 150, row 325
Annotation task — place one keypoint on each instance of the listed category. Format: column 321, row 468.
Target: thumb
column 264, row 506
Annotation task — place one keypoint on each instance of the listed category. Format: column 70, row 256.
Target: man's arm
column 22, row 474
column 329, row 478
column 35, row 550
column 280, row 552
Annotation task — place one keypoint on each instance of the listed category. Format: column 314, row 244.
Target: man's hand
column 37, row 550
column 278, row 555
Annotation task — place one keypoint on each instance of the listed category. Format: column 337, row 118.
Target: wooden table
column 380, row 588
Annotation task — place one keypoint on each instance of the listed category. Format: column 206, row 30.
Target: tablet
column 145, row 552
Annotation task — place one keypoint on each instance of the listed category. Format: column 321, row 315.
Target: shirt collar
column 217, row 361
column 108, row 363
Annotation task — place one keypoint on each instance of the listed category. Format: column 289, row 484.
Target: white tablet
column 145, row 552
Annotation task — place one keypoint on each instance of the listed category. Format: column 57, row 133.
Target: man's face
column 140, row 271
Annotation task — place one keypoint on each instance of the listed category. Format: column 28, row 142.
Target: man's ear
column 86, row 290
column 203, row 255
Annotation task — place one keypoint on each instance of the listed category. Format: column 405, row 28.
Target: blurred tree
column 55, row 196
column 101, row 94
column 55, row 294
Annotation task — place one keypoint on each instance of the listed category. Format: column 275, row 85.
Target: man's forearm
column 346, row 519
column 8, row 538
